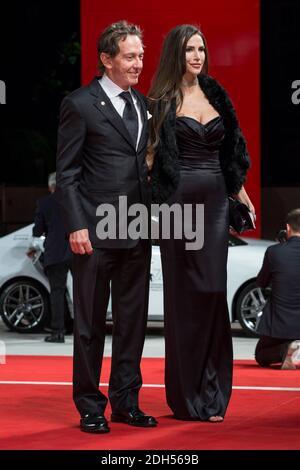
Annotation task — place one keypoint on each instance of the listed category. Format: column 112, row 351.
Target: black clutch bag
column 240, row 218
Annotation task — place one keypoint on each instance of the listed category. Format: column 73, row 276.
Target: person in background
column 279, row 325
column 57, row 257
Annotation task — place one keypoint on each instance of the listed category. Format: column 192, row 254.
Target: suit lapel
column 105, row 106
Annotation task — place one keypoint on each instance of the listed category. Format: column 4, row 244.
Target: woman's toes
column 215, row 419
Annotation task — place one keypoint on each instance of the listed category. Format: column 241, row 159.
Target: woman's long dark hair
column 168, row 77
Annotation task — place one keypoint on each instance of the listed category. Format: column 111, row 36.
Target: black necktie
column 130, row 116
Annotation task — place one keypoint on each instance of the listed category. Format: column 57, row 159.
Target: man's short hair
column 108, row 41
column 52, row 179
column 293, row 219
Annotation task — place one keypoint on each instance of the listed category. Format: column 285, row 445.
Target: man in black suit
column 102, row 144
column 280, row 322
column 57, row 257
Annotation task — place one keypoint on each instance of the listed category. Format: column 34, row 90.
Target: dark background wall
column 40, row 64
column 280, row 123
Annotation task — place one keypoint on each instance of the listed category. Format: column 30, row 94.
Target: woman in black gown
column 200, row 157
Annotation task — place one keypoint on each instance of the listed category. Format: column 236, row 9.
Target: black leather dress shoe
column 134, row 417
column 55, row 338
column 94, row 424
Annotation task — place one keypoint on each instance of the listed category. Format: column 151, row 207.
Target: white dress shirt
column 113, row 91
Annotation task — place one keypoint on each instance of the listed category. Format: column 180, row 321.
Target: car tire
column 249, row 305
column 24, row 306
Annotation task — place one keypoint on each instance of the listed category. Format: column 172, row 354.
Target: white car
column 24, row 287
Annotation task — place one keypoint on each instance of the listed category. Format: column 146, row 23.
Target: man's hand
column 80, row 242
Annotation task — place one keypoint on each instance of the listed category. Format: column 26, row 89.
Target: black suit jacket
column 48, row 222
column 97, row 161
column 281, row 270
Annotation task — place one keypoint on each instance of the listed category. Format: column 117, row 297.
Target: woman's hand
column 243, row 197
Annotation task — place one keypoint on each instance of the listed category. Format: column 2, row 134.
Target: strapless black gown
column 198, row 374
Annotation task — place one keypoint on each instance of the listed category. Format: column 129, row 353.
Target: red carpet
column 42, row 416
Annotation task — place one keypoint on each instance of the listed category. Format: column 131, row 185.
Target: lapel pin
column 102, row 103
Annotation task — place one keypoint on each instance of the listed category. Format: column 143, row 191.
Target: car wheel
column 249, row 306
column 24, row 306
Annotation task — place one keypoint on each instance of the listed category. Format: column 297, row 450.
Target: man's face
column 124, row 69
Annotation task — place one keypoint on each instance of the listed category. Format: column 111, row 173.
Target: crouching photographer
column 279, row 326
